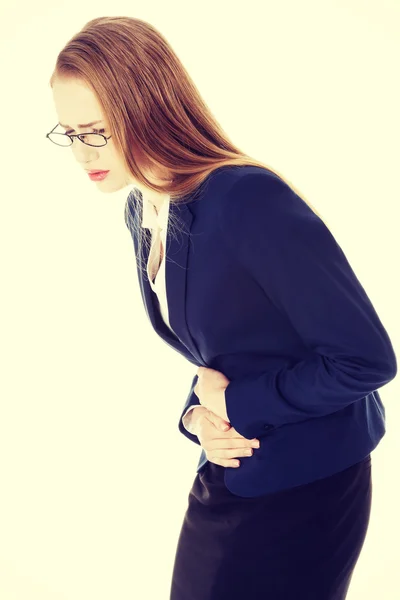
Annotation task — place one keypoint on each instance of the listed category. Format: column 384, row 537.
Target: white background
column 94, row 473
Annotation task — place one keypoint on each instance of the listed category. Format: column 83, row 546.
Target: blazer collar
column 176, row 264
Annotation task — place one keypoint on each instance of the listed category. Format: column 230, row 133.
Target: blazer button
column 268, row 426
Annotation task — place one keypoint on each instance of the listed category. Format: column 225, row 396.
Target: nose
column 83, row 152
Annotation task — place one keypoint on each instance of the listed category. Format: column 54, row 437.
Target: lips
column 93, row 172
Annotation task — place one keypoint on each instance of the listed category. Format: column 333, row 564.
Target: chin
column 108, row 187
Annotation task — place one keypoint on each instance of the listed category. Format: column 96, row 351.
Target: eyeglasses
column 65, row 139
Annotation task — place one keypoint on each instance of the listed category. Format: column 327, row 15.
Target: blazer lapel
column 176, row 259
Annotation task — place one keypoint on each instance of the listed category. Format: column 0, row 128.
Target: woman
column 261, row 298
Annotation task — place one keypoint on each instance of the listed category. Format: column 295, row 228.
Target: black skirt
column 300, row 543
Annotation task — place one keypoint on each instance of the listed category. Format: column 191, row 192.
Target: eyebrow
column 82, row 124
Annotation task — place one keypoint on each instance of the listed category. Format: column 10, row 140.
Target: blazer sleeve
column 293, row 256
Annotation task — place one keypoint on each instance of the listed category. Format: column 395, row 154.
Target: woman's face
column 76, row 103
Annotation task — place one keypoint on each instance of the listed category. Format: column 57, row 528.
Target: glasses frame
column 77, row 135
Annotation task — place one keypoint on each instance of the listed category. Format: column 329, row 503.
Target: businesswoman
column 241, row 275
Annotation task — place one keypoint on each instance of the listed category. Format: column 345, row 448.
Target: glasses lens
column 60, row 139
column 92, row 139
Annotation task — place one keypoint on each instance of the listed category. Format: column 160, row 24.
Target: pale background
column 95, row 475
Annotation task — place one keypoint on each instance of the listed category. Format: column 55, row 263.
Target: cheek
column 114, row 161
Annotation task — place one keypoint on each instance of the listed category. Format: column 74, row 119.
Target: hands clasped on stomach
column 220, row 447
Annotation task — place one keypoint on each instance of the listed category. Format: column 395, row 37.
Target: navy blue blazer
column 259, row 289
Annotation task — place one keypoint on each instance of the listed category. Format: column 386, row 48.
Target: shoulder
column 252, row 192
column 234, row 179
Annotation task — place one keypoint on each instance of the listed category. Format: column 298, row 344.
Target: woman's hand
column 210, row 390
column 222, row 448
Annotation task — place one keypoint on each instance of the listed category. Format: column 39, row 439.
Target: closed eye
column 94, row 131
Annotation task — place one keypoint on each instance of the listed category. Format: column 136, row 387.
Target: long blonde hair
column 156, row 115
